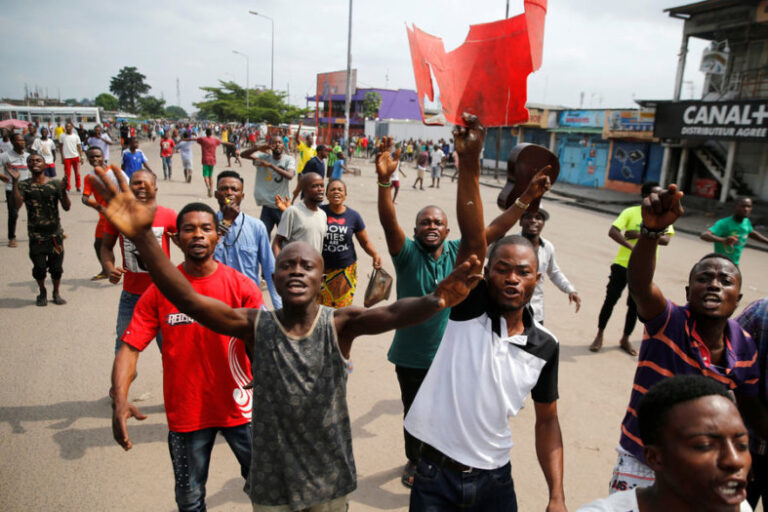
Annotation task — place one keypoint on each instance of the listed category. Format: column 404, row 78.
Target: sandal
column 99, row 276
column 42, row 300
column 58, row 300
column 409, row 474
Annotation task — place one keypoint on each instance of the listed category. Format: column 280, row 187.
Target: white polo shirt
column 479, row 379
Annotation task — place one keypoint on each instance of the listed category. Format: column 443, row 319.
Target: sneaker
column 42, row 300
column 12, row 243
column 58, row 300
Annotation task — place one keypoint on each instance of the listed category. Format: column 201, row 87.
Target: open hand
column 386, row 161
column 455, row 288
column 119, row 423
column 662, row 210
column 468, row 140
column 123, row 210
column 282, row 202
column 13, row 173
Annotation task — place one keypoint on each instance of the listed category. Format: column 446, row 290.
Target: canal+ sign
column 725, row 120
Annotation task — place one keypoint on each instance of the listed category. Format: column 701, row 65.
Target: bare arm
column 615, row 234
column 386, row 163
column 469, row 204
column 759, row 237
column 659, row 212
column 66, row 202
column 549, row 451
column 353, row 322
column 277, row 244
column 297, row 135
column 123, row 370
column 134, row 220
column 365, row 243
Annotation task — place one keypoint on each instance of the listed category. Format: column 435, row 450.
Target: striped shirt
column 671, row 346
column 754, row 320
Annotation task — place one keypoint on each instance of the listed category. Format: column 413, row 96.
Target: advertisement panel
column 723, row 120
column 335, row 82
column 581, row 118
column 628, row 123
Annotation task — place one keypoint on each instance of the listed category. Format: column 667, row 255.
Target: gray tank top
column 302, row 441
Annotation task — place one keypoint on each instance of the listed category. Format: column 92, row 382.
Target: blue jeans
column 191, row 456
column 166, row 166
column 124, row 314
column 439, row 489
column 270, row 217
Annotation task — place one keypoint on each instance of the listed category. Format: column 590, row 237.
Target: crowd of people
column 469, row 345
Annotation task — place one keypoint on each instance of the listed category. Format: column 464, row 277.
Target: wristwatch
column 653, row 234
column 521, row 204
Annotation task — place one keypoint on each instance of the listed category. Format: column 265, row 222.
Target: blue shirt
column 337, row 170
column 245, row 247
column 315, row 165
column 132, row 162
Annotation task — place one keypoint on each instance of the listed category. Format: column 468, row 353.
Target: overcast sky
column 611, row 50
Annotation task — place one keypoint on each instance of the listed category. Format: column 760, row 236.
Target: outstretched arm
column 549, row 451
column 386, row 163
column 659, row 211
column 759, row 237
column 354, row 321
column 134, row 220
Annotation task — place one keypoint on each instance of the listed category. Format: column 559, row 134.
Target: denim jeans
column 191, row 456
column 270, row 217
column 124, row 314
column 438, row 489
column 167, row 166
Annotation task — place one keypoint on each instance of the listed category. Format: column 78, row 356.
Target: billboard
column 335, row 82
column 628, row 123
column 581, row 118
column 724, row 120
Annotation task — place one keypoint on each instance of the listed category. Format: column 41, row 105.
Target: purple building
column 395, row 104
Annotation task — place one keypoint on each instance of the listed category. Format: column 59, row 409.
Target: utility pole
column 272, row 65
column 349, row 79
column 178, row 93
column 247, row 86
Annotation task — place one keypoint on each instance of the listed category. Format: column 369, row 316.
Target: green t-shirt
column 417, row 275
column 729, row 227
column 629, row 220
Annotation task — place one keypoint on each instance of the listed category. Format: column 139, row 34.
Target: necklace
column 237, row 237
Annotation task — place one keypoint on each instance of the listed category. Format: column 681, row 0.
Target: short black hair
column 195, row 207
column 647, row 187
column 208, row 132
column 663, row 396
column 711, row 256
column 512, row 240
column 229, row 174
column 94, row 148
column 336, row 180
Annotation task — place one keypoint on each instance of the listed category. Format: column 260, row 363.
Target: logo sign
column 724, row 120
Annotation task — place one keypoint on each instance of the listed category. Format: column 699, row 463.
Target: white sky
column 612, row 50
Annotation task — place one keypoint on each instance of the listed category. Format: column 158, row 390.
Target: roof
column 688, row 10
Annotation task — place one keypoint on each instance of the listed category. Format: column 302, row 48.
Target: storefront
column 581, row 148
column 635, row 156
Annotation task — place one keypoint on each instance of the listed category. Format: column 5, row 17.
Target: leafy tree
column 128, row 85
column 106, row 101
column 175, row 112
column 371, row 104
column 149, row 106
column 70, row 102
column 228, row 103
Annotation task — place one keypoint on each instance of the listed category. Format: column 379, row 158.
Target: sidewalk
column 699, row 213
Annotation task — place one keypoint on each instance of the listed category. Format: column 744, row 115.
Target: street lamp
column 247, row 86
column 272, row 74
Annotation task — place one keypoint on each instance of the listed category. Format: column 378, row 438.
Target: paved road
column 56, row 447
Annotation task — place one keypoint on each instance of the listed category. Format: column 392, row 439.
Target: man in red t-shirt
column 208, row 148
column 133, row 272
column 204, row 373
column 166, row 153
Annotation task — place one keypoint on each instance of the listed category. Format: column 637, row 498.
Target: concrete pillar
column 552, row 142
column 665, row 166
column 680, row 67
column 520, row 138
column 681, row 167
column 728, row 171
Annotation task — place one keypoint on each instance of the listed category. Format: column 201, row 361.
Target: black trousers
column 13, row 215
column 410, row 380
column 758, row 488
column 616, row 284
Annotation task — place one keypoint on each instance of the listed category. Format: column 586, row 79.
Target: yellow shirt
column 630, row 220
column 305, row 155
column 225, row 136
column 58, row 131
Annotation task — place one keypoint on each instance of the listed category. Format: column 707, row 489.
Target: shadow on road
column 66, row 413
column 370, row 492
column 231, row 492
column 74, row 442
column 12, row 303
column 68, row 285
column 380, row 408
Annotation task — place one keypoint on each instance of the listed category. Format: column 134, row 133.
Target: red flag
column 487, row 75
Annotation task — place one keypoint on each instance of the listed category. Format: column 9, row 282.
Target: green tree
column 149, row 106
column 228, row 103
column 128, row 85
column 70, row 102
column 175, row 112
column 371, row 104
column 106, row 101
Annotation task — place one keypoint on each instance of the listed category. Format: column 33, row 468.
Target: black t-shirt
column 541, row 344
column 339, row 244
column 315, row 165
